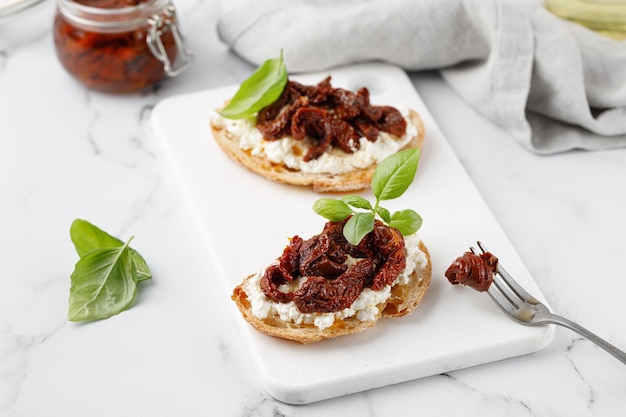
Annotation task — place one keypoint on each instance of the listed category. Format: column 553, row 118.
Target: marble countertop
column 67, row 152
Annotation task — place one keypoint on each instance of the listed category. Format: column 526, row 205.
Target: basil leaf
column 332, row 209
column 394, row 174
column 87, row 237
column 142, row 272
column 356, row 201
column 359, row 225
column 102, row 285
column 259, row 90
column 406, row 221
column 384, row 214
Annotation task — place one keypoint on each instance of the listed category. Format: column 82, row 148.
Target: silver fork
column 526, row 309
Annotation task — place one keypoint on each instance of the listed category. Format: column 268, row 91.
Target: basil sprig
column 390, row 180
column 104, row 281
column 261, row 89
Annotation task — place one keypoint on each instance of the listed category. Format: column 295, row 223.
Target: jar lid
column 110, row 20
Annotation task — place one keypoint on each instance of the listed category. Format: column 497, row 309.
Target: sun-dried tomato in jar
column 119, row 46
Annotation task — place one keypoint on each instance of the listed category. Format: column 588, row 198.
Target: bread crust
column 404, row 299
column 320, row 182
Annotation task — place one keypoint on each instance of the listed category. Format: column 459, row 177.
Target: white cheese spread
column 333, row 162
column 364, row 308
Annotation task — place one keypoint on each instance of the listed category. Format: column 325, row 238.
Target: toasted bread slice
column 358, row 179
column 403, row 300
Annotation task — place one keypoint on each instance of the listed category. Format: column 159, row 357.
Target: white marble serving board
column 245, row 221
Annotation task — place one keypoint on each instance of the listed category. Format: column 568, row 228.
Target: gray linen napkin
column 552, row 84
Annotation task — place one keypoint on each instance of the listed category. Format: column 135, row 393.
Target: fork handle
column 562, row 321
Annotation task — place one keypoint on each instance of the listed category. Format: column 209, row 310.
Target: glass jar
column 119, row 46
column 607, row 17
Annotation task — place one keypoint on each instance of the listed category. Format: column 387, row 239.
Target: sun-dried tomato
column 329, row 117
column 321, row 295
column 475, row 271
column 331, row 281
column 389, row 244
column 271, row 280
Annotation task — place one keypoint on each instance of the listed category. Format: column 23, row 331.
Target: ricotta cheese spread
column 364, row 308
column 289, row 151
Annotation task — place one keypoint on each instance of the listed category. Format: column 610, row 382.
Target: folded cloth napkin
column 552, row 84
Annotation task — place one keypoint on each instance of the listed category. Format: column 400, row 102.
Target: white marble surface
column 67, row 152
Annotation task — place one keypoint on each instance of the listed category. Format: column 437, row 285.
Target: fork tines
column 507, row 279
